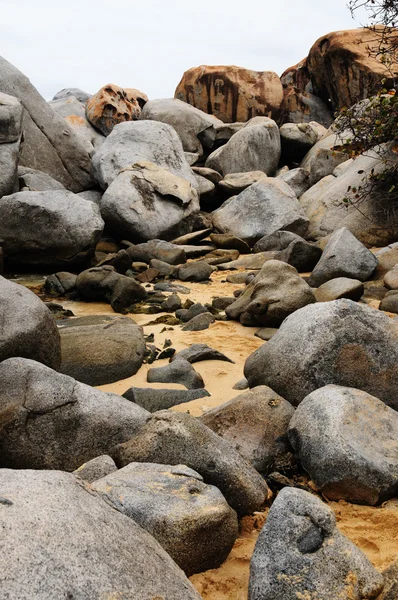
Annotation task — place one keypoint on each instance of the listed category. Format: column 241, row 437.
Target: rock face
column 301, row 553
column 347, row 440
column 51, row 421
column 263, row 208
column 256, row 147
column 50, row 145
column 11, row 111
column 74, row 113
column 231, row 93
column 255, row 423
column 177, row 438
column 141, row 140
column 190, row 520
column 52, row 519
column 275, row 292
column 342, row 70
column 100, row 350
column 53, row 228
column 111, row 105
column 28, row 328
column 337, row 342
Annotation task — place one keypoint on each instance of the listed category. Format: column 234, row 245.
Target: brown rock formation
column 113, row 105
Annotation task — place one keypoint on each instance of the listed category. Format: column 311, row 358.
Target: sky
column 148, row 44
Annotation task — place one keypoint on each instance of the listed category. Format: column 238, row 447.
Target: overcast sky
column 148, row 44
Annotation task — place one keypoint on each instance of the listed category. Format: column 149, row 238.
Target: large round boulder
column 111, row 105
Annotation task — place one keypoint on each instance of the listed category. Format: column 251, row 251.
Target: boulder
column 262, row 209
column 50, row 144
column 304, row 107
column 302, row 255
column 256, row 424
column 53, row 228
column 60, row 284
column 167, row 252
column 180, row 371
column 101, row 349
column 341, row 287
column 11, row 112
column 390, row 576
column 101, row 284
column 153, row 399
column 198, row 352
column 251, row 261
column 28, row 328
column 96, row 468
column 235, row 183
column 231, row 93
column 391, row 279
column 226, row 241
column 185, row 314
column 76, row 92
column 301, row 553
column 195, row 271
column 347, row 440
column 339, row 342
column 51, row 421
column 200, row 322
column 323, row 158
column 387, row 257
column 190, row 520
column 256, row 147
column 210, row 174
column 298, row 179
column 276, row 241
column 111, row 105
column 275, row 292
column 57, row 531
column 343, row 256
column 132, row 142
column 177, row 438
column 192, row 238
column 37, row 181
column 390, row 302
column 297, row 139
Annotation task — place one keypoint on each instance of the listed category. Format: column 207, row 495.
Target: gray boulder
column 225, row 241
column 390, row 302
column 50, row 144
column 76, row 92
column 302, row 255
column 338, row 342
column 74, row 113
column 262, row 209
column 195, row 271
column 390, row 575
column 28, row 328
column 279, row 240
column 256, row 424
column 37, row 181
column 297, row 139
column 51, row 421
column 11, row 111
column 235, row 183
column 347, row 440
column 323, row 158
column 190, row 520
column 391, row 279
column 298, row 179
column 198, row 352
column 96, row 468
column 101, row 349
column 275, row 292
column 53, row 524
column 180, row 371
column 200, row 322
column 169, row 253
column 173, row 438
column 105, row 284
column 153, row 399
column 343, row 256
column 301, row 553
column 53, row 228
column 341, row 287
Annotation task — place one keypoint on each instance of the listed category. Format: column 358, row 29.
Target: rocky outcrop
column 11, row 112
column 112, row 105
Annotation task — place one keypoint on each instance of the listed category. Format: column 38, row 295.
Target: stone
column 231, row 93
column 180, row 371
column 60, row 284
column 192, row 238
column 101, row 284
column 76, row 92
column 343, row 256
column 390, row 302
column 198, row 352
column 391, row 279
column 297, row 139
column 219, row 256
column 339, row 342
column 252, row 261
column 51, row 421
column 261, row 209
column 11, row 112
column 195, row 271
column 304, row 107
column 200, row 322
column 323, row 158
column 37, row 181
column 50, row 144
column 78, row 531
column 302, row 255
column 126, row 293
column 165, row 286
column 96, row 468
column 235, row 183
column 154, row 399
column 194, row 127
column 222, row 302
column 276, row 241
column 177, row 438
column 242, row 384
column 111, row 105
column 193, row 251
column 275, row 292
column 256, row 424
column 74, row 113
column 101, row 349
column 390, row 576
column 172, row 303
column 136, row 141
column 237, row 277
column 28, row 328
column 53, row 228
column 190, row 520
column 387, row 258
column 340, row 287
column 298, row 179
column 163, row 267
column 266, row 333
column 120, row 260
column 256, row 147
column 347, row 440
column 185, row 314
column 301, row 552
column 225, row 241
column 158, row 249
column 210, row 174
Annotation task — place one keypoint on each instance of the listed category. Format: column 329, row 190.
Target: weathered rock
column 387, row 257
column 193, row 251
column 210, row 174
column 256, row 424
column 190, row 520
column 185, row 314
column 92, row 195
column 242, row 384
column 198, row 352
column 235, row 183
column 105, row 284
column 50, row 145
column 60, row 284
column 341, row 287
column 256, row 147
column 276, row 241
column 343, row 256
column 172, row 303
column 28, row 328
column 96, row 468
column 251, row 261
column 237, row 277
column 275, row 292
column 222, row 302
column 390, row 576
column 219, row 256
column 11, row 112
column 391, row 279
column 303, row 107
column 163, row 267
column 76, row 92
column 339, row 342
column 323, row 158
column 160, row 250
column 165, row 286
column 153, row 399
column 347, row 440
column 297, row 139
column 53, row 228
column 101, row 349
column 37, row 181
column 192, row 238
column 195, row 271
column 111, row 105
column 298, row 179
column 231, row 93
column 300, row 552
column 78, row 531
column 51, row 421
column 199, row 323
column 177, row 438
column 180, row 371
column 390, row 302
column 225, row 241
column 266, row 333
column 302, row 255
column 262, row 209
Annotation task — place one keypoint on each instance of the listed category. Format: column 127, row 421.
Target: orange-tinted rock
column 297, row 76
column 113, row 105
column 341, row 69
column 231, row 93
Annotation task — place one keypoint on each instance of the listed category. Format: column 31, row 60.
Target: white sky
column 148, row 44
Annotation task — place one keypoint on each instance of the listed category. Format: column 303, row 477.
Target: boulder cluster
column 123, row 200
